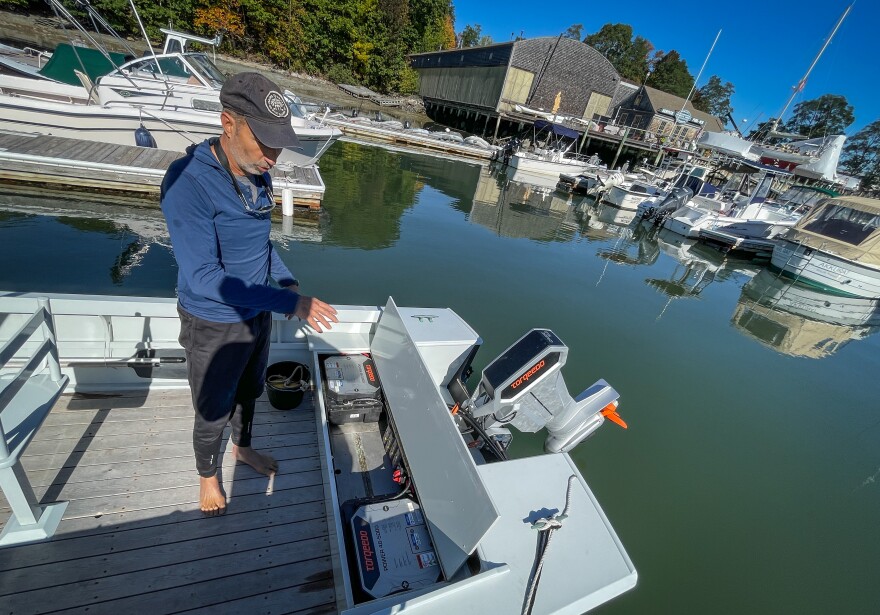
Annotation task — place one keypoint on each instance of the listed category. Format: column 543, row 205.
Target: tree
column 470, row 36
column 574, row 31
column 628, row 54
column 861, row 156
column 671, row 74
column 714, row 97
column 830, row 114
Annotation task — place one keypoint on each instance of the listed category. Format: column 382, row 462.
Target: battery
column 393, row 546
column 353, row 391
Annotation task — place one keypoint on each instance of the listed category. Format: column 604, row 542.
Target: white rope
column 548, row 525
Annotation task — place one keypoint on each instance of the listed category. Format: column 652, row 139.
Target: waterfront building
column 479, row 87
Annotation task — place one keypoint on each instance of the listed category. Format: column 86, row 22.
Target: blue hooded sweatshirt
column 223, row 252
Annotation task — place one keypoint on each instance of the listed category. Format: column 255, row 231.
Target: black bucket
column 283, row 386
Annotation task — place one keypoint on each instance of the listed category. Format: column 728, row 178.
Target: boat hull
column 547, row 167
column 172, row 130
column 826, row 271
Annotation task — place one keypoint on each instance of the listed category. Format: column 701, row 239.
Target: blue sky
column 765, row 47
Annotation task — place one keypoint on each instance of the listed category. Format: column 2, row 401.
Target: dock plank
column 133, row 537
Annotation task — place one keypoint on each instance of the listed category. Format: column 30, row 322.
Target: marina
column 645, row 288
column 602, row 345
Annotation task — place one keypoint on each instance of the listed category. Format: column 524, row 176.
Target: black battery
column 352, row 389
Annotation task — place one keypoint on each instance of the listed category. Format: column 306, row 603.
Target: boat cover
column 867, row 252
column 557, row 129
column 66, row 59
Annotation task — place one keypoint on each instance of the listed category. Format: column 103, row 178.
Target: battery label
column 414, row 517
column 427, row 560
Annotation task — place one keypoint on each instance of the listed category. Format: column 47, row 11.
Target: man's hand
column 314, row 311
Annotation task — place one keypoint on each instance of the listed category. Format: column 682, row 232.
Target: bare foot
column 264, row 464
column 211, row 496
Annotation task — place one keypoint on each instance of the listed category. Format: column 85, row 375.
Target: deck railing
column 26, row 397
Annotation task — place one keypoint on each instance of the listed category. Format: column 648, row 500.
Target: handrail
column 47, row 349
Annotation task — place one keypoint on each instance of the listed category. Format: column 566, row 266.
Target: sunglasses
column 224, row 161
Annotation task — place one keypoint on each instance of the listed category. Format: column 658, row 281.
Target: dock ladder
column 26, row 397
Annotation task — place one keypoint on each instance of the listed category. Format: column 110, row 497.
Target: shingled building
column 548, row 74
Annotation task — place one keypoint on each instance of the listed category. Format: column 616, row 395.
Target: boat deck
column 133, row 539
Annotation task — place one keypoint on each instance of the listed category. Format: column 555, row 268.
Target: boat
column 752, row 215
column 174, row 97
column 835, row 247
column 629, row 193
column 550, row 152
column 425, row 512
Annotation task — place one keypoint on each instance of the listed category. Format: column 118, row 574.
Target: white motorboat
column 425, row 513
column 174, row 96
column 835, row 247
column 754, row 216
column 550, row 152
column 630, row 193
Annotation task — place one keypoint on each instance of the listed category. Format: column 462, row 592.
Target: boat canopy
column 741, row 165
column 557, row 129
column 66, row 58
column 848, row 227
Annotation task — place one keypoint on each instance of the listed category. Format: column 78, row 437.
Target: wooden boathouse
column 499, row 84
column 500, row 90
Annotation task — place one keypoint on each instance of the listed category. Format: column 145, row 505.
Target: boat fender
column 144, row 138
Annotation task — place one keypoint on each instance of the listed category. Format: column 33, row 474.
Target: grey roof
column 663, row 100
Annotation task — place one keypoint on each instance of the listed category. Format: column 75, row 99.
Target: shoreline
column 42, row 31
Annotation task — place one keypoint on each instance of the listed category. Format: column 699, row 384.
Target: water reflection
column 370, row 188
column 132, row 230
column 801, row 321
column 522, row 210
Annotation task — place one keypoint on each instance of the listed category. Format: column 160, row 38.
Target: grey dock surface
column 77, row 164
column 133, row 539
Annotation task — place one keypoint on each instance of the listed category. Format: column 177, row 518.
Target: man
column 217, row 201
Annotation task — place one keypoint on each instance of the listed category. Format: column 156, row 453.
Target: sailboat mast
column 803, row 82
column 697, row 80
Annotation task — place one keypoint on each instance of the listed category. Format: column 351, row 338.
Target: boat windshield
column 801, row 197
column 208, row 69
column 297, row 109
column 844, row 224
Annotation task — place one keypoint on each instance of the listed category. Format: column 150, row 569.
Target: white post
column 287, row 202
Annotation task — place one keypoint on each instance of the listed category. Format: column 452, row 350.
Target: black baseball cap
column 260, row 102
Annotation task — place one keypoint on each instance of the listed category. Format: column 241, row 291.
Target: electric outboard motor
column 524, row 388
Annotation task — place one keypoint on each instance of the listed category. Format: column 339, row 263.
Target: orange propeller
column 610, row 413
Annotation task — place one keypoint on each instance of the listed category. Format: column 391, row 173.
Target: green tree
column 671, row 74
column 714, row 97
column 830, row 114
column 861, row 156
column 574, row 31
column 470, row 36
column 628, row 54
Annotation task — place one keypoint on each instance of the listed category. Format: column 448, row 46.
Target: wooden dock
column 408, row 141
column 89, row 166
column 359, row 91
column 133, row 539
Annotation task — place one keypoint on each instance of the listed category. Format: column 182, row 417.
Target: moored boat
column 835, row 247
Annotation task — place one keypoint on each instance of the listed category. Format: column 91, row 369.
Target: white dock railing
column 26, row 397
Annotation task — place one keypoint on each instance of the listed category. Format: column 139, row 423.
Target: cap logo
column 276, row 105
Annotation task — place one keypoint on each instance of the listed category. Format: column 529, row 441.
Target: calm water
column 749, row 479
